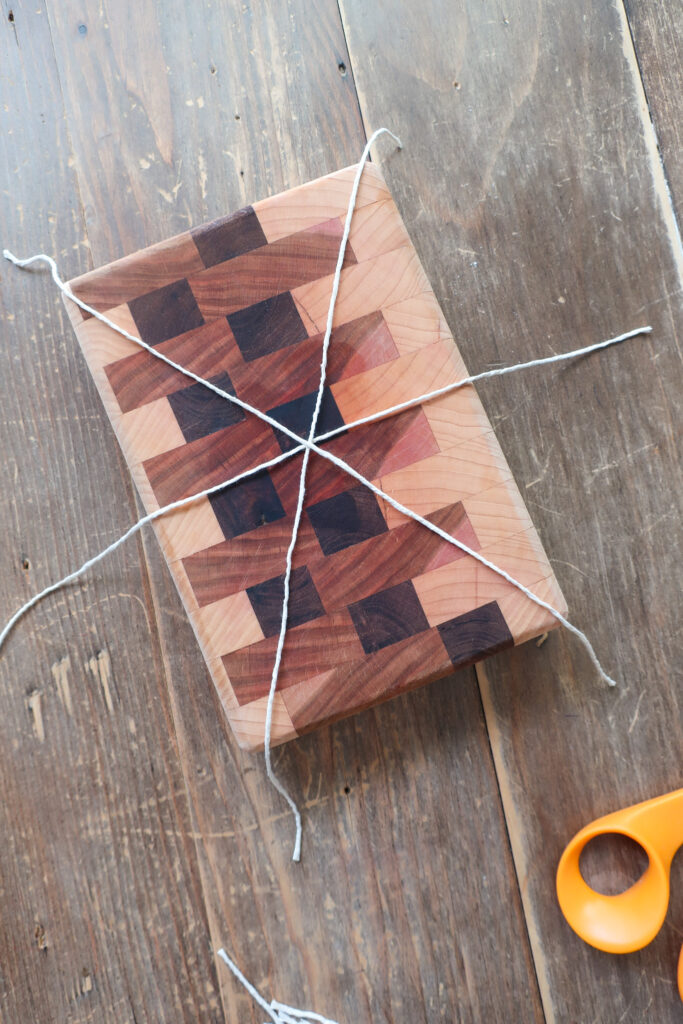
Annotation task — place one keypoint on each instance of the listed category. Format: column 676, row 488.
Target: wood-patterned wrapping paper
column 379, row 604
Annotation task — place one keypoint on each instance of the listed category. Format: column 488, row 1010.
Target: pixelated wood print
column 379, row 604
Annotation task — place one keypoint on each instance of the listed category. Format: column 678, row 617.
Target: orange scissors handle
column 630, row 920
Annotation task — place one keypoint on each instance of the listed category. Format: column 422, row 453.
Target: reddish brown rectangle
column 236, row 564
column 310, row 649
column 281, row 376
column 381, row 562
column 353, row 686
column 135, row 275
column 203, row 463
column 371, row 450
column 257, row 275
column 142, row 378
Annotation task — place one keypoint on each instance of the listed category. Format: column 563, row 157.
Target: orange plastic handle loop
column 630, row 920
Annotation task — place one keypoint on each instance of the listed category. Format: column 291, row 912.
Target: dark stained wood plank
column 265, row 272
column 657, row 34
column 205, row 462
column 381, row 890
column 528, row 181
column 102, row 910
column 140, row 378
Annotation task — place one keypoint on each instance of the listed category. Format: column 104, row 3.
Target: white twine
column 302, row 487
column 32, row 602
column 308, row 445
column 447, row 388
column 302, row 446
column 279, row 1013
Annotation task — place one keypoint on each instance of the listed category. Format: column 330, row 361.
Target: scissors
column 630, row 920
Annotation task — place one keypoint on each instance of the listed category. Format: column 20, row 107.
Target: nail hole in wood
column 41, row 938
column 82, row 29
column 10, row 16
column 25, row 564
column 342, row 68
column 347, row 790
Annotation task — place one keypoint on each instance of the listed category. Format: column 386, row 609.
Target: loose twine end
column 279, row 1013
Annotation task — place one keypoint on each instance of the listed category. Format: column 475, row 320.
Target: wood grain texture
column 657, row 38
column 550, row 227
column 356, row 551
column 103, row 916
column 427, row 922
column 386, row 962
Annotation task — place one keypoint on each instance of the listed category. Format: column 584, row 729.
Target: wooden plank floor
column 137, row 838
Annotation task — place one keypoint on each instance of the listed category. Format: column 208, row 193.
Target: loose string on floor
column 279, row 1013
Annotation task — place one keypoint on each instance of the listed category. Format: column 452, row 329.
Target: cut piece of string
column 279, row 1013
column 309, row 445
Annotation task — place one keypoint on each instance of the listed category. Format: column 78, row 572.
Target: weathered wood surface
column 542, row 223
column 102, row 911
column 657, row 33
column 388, row 943
column 537, row 201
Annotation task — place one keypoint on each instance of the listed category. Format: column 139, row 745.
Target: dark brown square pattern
column 201, row 412
column 267, row 326
column 267, row 597
column 230, row 306
column 247, row 505
column 166, row 312
column 388, row 616
column 346, row 519
column 229, row 237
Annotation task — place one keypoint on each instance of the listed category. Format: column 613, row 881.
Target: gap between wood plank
column 350, row 71
column 628, row 33
column 660, row 179
column 514, row 827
